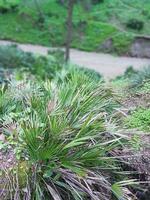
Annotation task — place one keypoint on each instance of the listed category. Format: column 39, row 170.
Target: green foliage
column 139, row 78
column 97, row 1
column 23, row 30
column 8, row 5
column 14, row 59
column 91, row 74
column 129, row 73
column 134, row 81
column 122, row 42
column 145, row 88
column 136, row 142
column 95, row 34
column 45, row 24
column 135, row 24
column 140, row 119
column 45, row 67
column 60, row 130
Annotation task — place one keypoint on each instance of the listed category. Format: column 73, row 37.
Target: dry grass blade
column 54, row 194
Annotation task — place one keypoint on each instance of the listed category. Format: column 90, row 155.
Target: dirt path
column 110, row 66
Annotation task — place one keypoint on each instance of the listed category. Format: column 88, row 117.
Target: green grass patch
column 16, row 28
column 95, row 34
column 8, row 3
column 103, row 21
column 122, row 42
column 13, row 27
column 140, row 119
column 145, row 88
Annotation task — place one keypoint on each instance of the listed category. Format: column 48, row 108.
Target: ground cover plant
column 139, row 87
column 140, row 118
column 13, row 59
column 62, row 140
column 69, row 135
column 134, row 95
column 133, row 88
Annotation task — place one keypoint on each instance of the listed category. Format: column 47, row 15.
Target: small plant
column 140, row 119
column 145, row 88
column 130, row 72
column 141, row 77
column 136, row 142
column 135, row 24
column 12, row 57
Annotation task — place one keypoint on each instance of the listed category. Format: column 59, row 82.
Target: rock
column 140, row 47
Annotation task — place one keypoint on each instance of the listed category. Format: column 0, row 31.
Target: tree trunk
column 69, row 29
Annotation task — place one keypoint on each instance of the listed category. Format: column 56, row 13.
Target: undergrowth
column 60, row 133
column 140, row 119
column 62, row 123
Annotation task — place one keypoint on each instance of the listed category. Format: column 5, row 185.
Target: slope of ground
column 104, row 21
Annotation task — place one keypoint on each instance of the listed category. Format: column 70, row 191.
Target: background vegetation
column 43, row 22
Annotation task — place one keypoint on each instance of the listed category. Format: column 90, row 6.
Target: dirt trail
column 110, row 66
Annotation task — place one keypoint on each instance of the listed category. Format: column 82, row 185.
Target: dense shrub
column 130, row 72
column 140, row 77
column 122, row 42
column 92, row 75
column 13, row 58
column 97, row 1
column 8, row 6
column 58, row 54
column 135, row 24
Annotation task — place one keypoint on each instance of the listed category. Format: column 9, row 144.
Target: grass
column 95, row 34
column 134, row 87
column 53, row 33
column 64, row 132
column 145, row 88
column 122, row 42
column 59, row 130
column 22, row 30
column 8, row 3
column 138, row 79
column 91, row 29
column 139, row 119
